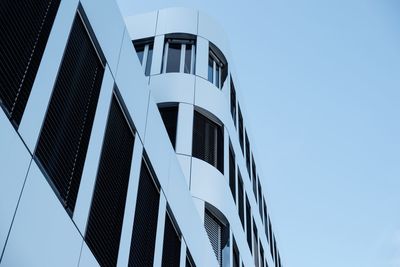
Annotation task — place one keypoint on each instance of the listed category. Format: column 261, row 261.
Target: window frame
column 183, row 43
column 146, row 63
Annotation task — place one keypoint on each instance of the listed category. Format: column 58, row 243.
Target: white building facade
column 123, row 142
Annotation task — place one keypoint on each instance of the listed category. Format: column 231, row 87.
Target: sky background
column 321, row 84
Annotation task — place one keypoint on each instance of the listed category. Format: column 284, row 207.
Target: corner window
column 215, row 67
column 208, row 141
column 179, row 54
column 144, row 51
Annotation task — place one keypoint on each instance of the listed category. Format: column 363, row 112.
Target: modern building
column 124, row 143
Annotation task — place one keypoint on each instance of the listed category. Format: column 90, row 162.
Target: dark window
column 104, row 227
column 275, row 253
column 210, row 70
column 208, row 141
column 241, row 134
column 214, row 230
column 144, row 50
column 236, row 255
column 255, row 244
column 248, row 155
column 271, row 245
column 232, row 173
column 248, row 223
column 174, row 57
column 240, row 199
column 25, row 29
column 188, row 58
column 260, row 208
column 145, row 221
column 217, row 66
column 171, row 245
column 64, row 139
column 169, row 116
column 233, row 102
column 178, row 46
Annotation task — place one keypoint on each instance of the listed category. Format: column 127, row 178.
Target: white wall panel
column 202, row 52
column 210, row 98
column 141, row 25
column 36, row 107
column 185, row 163
column 157, row 54
column 42, row 231
column 173, row 87
column 171, row 20
column 89, row 173
column 184, row 132
column 132, row 85
column 87, row 259
column 211, row 30
column 129, row 213
column 14, row 165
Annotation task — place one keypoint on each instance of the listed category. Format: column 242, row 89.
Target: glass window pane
column 210, row 69
column 174, row 57
column 217, row 75
column 188, row 58
column 140, row 52
column 149, row 60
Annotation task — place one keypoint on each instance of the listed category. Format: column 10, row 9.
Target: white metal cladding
column 194, row 92
column 51, row 234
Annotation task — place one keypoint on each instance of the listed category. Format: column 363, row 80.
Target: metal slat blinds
column 24, row 29
column 171, row 245
column 240, row 199
column 214, row 231
column 241, row 129
column 248, row 223
column 169, row 116
column 208, row 141
column 145, row 221
column 104, row 227
column 65, row 134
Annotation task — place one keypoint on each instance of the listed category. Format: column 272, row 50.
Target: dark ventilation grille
column 214, row 230
column 271, row 245
column 236, row 257
column 104, row 227
column 232, row 173
column 248, row 223
column 248, row 155
column 169, row 116
column 145, row 222
column 64, row 139
column 208, row 141
column 233, row 102
column 24, row 29
column 255, row 244
column 241, row 134
column 171, row 246
column 240, row 199
column 260, row 207
column 261, row 255
column 266, row 219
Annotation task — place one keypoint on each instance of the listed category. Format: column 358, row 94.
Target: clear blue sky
column 321, row 82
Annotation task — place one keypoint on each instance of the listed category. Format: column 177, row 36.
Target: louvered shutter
column 104, row 227
column 145, row 221
column 64, row 139
column 214, row 230
column 208, row 141
column 171, row 245
column 24, row 29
